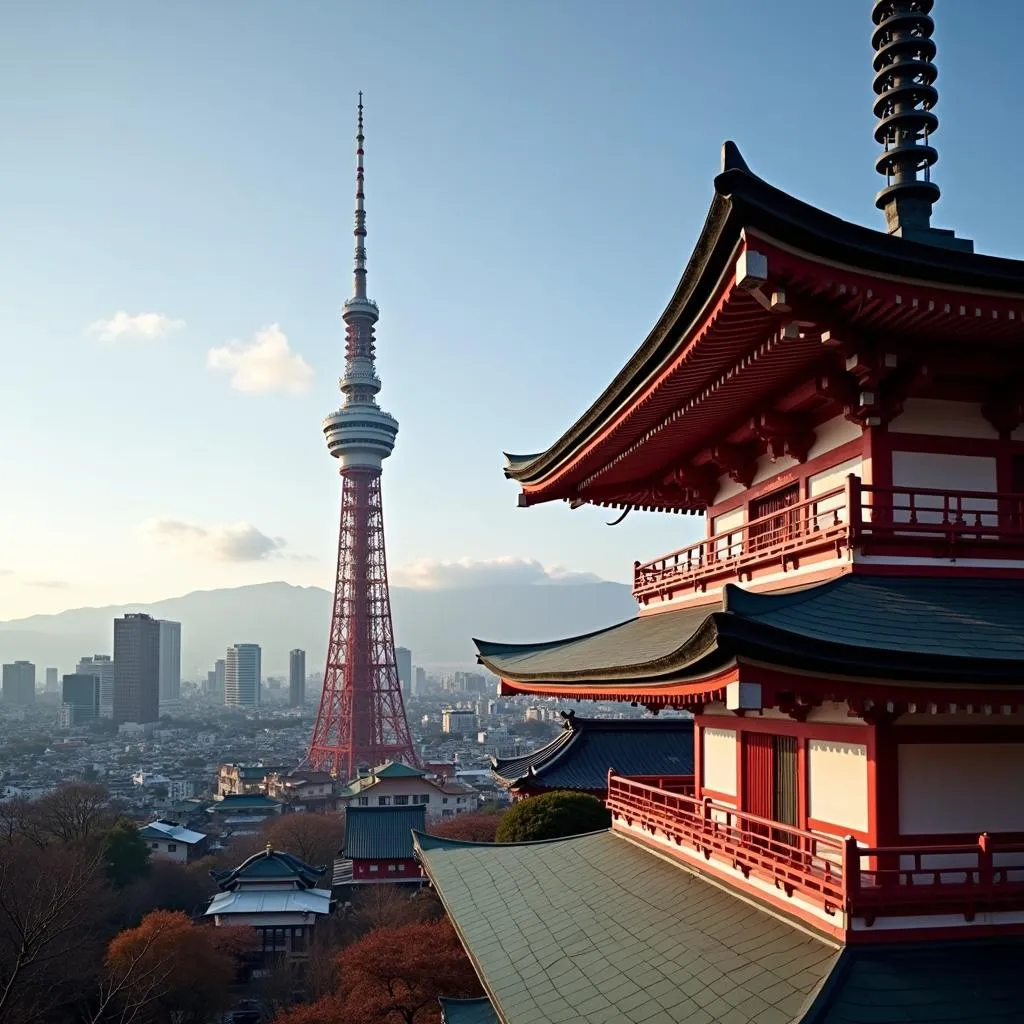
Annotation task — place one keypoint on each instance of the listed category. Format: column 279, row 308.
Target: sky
column 176, row 192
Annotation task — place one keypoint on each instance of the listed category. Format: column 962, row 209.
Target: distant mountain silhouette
column 437, row 625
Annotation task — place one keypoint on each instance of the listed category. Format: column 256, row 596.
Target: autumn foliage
column 395, row 976
column 469, row 828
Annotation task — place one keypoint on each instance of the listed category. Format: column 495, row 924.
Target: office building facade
column 403, row 661
column 81, row 693
column 101, row 666
column 136, row 669
column 170, row 661
column 296, row 678
column 19, row 684
column 242, row 675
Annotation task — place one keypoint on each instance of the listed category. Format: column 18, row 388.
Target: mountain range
column 436, row 625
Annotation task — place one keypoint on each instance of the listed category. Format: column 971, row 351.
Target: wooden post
column 851, row 872
column 986, row 876
column 853, row 506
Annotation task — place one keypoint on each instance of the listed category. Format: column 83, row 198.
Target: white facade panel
column 961, row 787
column 832, row 509
column 940, row 418
column 837, row 776
column 939, row 471
column 832, row 433
column 718, row 748
column 732, row 544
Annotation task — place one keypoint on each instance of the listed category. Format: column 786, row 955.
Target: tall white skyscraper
column 170, row 661
column 52, row 681
column 242, row 675
column 403, row 661
column 102, row 666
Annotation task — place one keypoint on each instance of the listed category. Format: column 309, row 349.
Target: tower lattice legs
column 362, row 720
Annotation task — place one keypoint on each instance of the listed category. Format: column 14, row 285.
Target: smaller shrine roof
column 273, row 901
column 580, row 756
column 397, row 770
column 467, row 1011
column 243, row 801
column 270, row 865
column 381, row 833
column 924, row 628
column 595, row 929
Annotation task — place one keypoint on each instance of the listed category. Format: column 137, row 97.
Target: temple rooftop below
column 594, row 928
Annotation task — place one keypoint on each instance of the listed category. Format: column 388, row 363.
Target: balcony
column 848, row 522
column 850, row 886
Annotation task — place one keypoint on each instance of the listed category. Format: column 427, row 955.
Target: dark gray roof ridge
column 443, row 843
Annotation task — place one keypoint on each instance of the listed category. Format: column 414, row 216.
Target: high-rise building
column 136, row 669
column 403, row 659
column 218, row 677
column 242, row 675
column 170, row 661
column 296, row 678
column 81, row 693
column 419, row 681
column 19, row 683
column 361, row 719
column 102, row 666
column 52, row 680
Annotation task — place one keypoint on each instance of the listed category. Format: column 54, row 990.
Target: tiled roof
column 172, row 832
column 580, row 756
column 397, row 770
column 271, row 901
column 962, row 629
column 467, row 1011
column 595, row 929
column 246, row 801
column 381, row 833
column 924, row 983
column 267, row 865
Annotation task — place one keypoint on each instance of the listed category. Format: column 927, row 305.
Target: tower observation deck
column 361, row 721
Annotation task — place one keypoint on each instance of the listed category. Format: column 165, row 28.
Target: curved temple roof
column 580, row 756
column 744, row 206
column 878, row 627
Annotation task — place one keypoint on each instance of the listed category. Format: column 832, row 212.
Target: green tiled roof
column 924, row 983
column 244, row 801
column 397, row 770
column 467, row 1011
column 381, row 833
column 580, row 756
column 270, row 865
column 595, row 929
column 936, row 629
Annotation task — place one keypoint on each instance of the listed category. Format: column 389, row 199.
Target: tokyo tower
column 361, row 721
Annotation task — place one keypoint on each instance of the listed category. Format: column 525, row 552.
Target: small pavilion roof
column 381, row 833
column 272, row 901
column 269, row 865
column 825, row 262
column 581, row 754
column 171, row 831
column 594, row 928
column 963, row 630
column 467, row 1011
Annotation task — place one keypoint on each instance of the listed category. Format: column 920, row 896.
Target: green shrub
column 552, row 816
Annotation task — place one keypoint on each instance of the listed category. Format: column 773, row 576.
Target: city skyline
column 203, row 242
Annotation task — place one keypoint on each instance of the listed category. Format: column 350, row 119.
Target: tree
column 552, row 816
column 315, row 838
column 50, row 901
column 395, row 976
column 125, row 854
column 168, row 886
column 469, row 828
column 170, row 969
column 75, row 812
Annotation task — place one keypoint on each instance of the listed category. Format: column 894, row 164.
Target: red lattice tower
column 362, row 720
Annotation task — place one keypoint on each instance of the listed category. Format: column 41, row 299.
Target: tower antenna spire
column 359, row 290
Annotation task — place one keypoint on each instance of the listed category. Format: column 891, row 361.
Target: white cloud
column 264, row 364
column 233, row 542
column 123, row 326
column 468, row 573
column 48, row 584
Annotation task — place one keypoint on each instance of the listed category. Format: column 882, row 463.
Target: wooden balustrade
column 837, row 874
column 901, row 520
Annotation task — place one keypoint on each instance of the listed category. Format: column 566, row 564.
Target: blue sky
column 537, row 174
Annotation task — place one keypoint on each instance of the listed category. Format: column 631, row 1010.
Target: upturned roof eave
column 745, row 202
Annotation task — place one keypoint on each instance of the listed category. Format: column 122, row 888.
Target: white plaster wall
column 831, row 434
column 727, row 547
column 766, row 469
column 828, row 480
column 838, row 783
column 718, row 747
column 961, row 787
column 939, row 471
column 727, row 489
column 941, row 418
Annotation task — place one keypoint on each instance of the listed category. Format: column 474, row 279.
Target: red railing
column 837, row 874
column 923, row 520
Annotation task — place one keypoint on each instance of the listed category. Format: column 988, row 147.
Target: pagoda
column 845, row 407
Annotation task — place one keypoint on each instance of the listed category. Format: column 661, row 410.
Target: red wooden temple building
column 845, row 407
